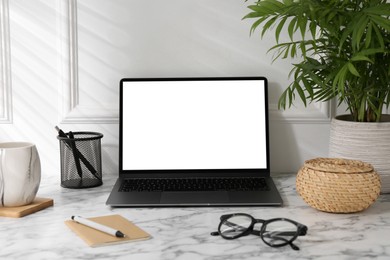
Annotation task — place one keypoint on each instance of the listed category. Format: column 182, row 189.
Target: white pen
column 97, row 226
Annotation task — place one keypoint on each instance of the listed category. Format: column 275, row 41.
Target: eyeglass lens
column 235, row 226
column 279, row 232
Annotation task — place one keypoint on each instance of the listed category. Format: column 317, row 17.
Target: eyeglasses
column 274, row 232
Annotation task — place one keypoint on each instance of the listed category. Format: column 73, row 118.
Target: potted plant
column 344, row 46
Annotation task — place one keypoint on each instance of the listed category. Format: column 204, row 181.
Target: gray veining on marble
column 184, row 233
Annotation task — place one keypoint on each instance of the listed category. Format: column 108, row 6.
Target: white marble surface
column 184, row 233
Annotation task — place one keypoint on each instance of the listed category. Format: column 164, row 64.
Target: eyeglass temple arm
column 289, row 233
column 293, row 246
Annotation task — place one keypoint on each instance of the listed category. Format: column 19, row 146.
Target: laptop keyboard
column 195, row 184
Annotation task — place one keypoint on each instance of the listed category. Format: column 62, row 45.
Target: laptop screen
column 193, row 123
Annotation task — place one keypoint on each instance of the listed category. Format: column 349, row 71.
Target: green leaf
column 313, row 29
column 346, row 32
column 293, row 50
column 359, row 57
column 368, row 35
column 352, row 69
column 279, row 28
column 303, row 49
column 371, row 51
column 383, row 22
column 252, row 15
column 258, row 9
column 302, row 22
column 285, row 100
column 282, row 48
column 300, row 92
column 308, row 87
column 291, row 27
column 256, row 24
column 339, row 79
column 359, row 29
column 272, row 5
column 362, row 109
column 331, row 15
column 268, row 25
column 315, row 78
column 379, row 10
column 287, row 50
column 290, row 96
column 379, row 36
column 282, row 100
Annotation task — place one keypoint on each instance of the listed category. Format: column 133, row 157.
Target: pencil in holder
column 81, row 160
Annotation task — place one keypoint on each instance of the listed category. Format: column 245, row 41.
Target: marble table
column 184, row 233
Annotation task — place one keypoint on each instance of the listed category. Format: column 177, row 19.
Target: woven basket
column 338, row 185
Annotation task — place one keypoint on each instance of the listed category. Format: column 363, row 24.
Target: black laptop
column 194, row 142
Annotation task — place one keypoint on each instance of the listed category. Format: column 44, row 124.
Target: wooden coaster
column 21, row 211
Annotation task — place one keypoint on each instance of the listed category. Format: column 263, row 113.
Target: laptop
column 194, row 142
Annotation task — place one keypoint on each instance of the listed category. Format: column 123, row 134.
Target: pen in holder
column 80, row 154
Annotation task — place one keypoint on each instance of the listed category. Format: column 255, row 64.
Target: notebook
column 194, row 142
column 96, row 238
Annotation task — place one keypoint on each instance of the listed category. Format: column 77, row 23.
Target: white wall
column 61, row 62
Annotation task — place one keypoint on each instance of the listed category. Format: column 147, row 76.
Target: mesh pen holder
column 81, row 160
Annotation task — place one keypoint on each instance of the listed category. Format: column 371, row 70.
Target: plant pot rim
column 348, row 118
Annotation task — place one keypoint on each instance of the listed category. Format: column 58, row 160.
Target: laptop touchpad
column 205, row 198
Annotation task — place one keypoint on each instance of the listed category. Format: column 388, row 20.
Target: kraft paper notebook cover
column 95, row 238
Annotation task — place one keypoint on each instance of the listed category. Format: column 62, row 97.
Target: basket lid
column 338, row 165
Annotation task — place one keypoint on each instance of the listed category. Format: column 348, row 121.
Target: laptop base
column 194, row 198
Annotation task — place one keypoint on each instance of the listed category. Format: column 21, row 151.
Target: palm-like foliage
column 345, row 50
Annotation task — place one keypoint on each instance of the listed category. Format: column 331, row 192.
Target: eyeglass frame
column 301, row 229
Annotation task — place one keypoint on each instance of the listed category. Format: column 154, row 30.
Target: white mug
column 20, row 173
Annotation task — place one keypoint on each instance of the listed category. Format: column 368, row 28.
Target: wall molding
column 5, row 62
column 321, row 112
column 72, row 110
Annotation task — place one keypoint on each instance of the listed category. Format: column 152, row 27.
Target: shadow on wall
column 110, row 159
column 297, row 135
column 284, row 150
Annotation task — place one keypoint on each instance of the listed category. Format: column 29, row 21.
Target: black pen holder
column 81, row 160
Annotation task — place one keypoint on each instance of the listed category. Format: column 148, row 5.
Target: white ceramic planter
column 368, row 142
column 20, row 173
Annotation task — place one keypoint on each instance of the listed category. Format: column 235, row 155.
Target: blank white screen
column 213, row 124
